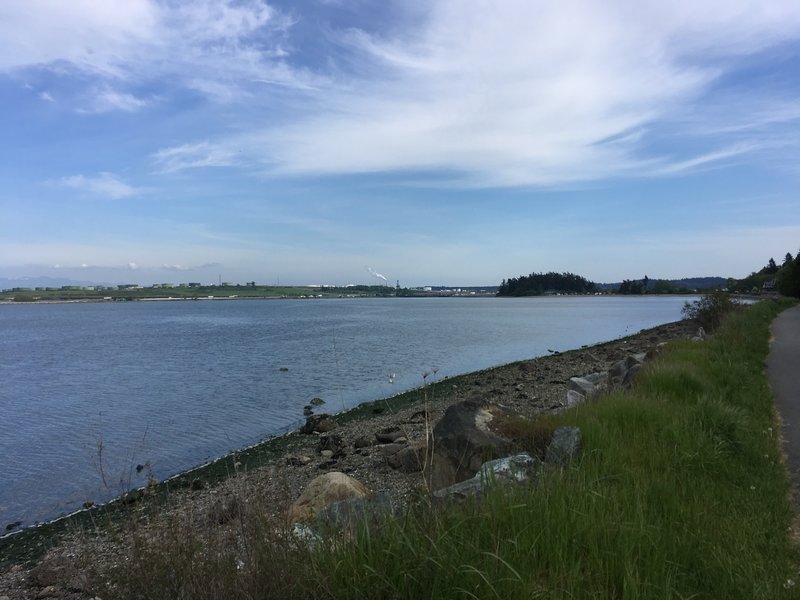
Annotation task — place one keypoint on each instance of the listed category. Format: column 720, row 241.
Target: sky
column 435, row 142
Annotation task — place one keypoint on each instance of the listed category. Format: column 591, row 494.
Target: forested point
column 537, row 284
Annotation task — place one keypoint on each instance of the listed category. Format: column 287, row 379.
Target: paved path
column 783, row 372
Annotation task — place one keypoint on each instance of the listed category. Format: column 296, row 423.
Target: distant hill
column 689, row 283
column 34, row 282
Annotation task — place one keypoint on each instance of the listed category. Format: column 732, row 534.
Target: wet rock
column 14, row 525
column 319, row 424
column 284, row 369
column 132, row 497
column 323, row 491
column 317, row 402
column 308, row 410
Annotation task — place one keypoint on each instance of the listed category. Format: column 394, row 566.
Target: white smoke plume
column 376, row 274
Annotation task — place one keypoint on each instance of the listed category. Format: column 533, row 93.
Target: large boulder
column 463, row 441
column 590, row 385
column 323, row 491
column 519, row 468
column 621, row 372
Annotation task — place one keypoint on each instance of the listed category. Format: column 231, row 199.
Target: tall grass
column 680, row 493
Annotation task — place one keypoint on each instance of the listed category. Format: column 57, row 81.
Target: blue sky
column 435, row 142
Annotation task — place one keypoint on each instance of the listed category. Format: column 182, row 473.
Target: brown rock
column 323, row 491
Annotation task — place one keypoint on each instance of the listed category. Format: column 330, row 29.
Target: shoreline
column 270, row 469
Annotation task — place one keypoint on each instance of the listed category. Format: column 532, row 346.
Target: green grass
column 680, row 493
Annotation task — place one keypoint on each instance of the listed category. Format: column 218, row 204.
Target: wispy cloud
column 103, row 184
column 521, row 93
column 46, row 96
column 192, row 156
column 705, row 160
column 216, row 47
column 109, row 100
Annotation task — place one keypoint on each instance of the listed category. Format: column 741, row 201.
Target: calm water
column 179, row 383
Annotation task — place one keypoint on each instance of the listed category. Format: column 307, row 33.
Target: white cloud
column 508, row 93
column 520, row 93
column 216, row 47
column 103, row 184
column 46, row 96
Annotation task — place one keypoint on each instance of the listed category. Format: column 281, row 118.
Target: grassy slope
column 681, row 493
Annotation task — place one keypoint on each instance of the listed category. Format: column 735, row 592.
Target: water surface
column 89, row 391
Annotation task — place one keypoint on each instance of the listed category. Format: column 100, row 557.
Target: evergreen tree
column 789, row 276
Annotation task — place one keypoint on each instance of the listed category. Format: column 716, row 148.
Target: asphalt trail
column 783, row 373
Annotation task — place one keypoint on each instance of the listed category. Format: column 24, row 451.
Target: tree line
column 783, row 278
column 537, row 284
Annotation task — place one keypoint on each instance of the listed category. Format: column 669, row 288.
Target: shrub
column 709, row 311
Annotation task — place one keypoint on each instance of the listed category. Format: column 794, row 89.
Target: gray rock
column 574, row 398
column 589, row 385
column 327, row 453
column 411, row 458
column 308, row 410
column 462, row 441
column 389, row 435
column 348, row 515
column 516, row 469
column 304, row 534
column 626, row 383
column 564, row 447
column 317, row 401
column 388, row 450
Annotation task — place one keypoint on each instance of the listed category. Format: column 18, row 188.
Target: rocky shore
column 375, row 444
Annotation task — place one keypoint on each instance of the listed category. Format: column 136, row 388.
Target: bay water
column 88, row 391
